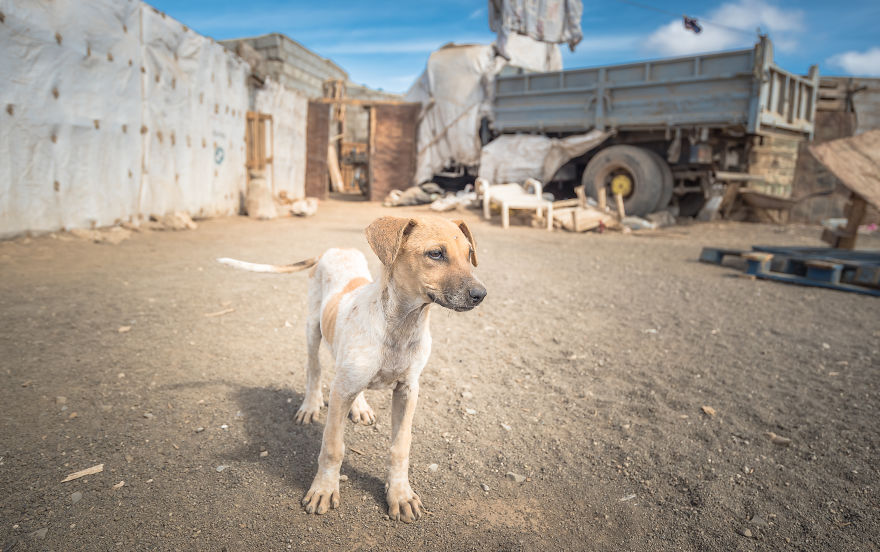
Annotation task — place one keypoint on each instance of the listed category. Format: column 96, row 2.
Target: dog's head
column 429, row 258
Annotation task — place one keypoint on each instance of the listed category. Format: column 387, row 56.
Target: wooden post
column 603, row 199
column 621, row 212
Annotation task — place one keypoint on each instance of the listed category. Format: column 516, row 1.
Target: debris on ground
column 777, row 439
column 82, row 473
column 304, row 207
column 416, row 195
column 175, row 221
column 515, row 477
column 708, row 410
column 219, row 313
column 113, row 235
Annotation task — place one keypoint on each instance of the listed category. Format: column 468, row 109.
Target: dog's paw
column 308, row 412
column 361, row 412
column 403, row 504
column 321, row 497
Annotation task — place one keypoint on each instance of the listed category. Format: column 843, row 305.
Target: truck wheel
column 628, row 170
column 668, row 182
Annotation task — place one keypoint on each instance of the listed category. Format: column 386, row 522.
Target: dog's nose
column 477, row 294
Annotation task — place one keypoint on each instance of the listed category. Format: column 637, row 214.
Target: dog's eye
column 435, row 254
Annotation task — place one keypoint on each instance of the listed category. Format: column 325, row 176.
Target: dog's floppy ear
column 467, row 233
column 385, row 235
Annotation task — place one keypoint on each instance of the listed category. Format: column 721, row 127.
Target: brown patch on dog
column 328, row 317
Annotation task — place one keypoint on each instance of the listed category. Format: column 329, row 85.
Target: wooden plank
column 365, row 102
column 856, row 162
column 317, row 138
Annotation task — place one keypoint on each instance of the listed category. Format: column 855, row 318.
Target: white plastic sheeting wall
column 112, row 110
column 70, row 91
column 195, row 102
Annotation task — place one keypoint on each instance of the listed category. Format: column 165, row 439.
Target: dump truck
column 683, row 128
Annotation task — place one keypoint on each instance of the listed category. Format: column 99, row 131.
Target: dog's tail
column 277, row 269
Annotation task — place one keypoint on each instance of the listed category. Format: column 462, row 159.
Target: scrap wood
column 219, row 313
column 82, row 473
column 856, row 162
column 581, row 219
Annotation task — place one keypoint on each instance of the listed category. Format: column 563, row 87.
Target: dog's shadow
column 292, row 449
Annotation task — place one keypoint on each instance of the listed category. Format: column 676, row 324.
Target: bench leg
column 505, row 215
column 550, row 217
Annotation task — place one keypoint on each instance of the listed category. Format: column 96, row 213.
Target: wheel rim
column 621, row 183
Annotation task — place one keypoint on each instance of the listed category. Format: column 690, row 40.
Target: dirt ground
column 586, row 370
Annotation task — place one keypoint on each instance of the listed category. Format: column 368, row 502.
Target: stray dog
column 378, row 334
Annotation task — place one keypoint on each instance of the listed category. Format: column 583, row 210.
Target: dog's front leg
column 403, row 503
column 324, row 492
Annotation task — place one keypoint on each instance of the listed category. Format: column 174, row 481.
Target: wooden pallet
column 855, row 271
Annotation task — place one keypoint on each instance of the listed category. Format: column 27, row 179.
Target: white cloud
column 863, row 64
column 720, row 29
column 477, row 13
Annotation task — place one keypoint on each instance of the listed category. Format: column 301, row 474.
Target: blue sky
column 385, row 44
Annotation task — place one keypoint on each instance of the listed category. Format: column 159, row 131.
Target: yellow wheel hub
column 621, row 184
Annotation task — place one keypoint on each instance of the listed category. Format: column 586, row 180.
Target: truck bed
column 741, row 90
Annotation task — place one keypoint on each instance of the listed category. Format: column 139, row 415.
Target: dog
column 378, row 334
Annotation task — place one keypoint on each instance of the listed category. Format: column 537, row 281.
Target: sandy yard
column 586, row 371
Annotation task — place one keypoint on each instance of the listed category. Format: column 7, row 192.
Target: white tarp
column 70, row 94
column 289, row 109
column 195, row 101
column 554, row 21
column 456, row 90
column 517, row 157
column 113, row 111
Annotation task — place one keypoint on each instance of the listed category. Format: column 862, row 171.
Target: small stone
column 264, row 454
column 343, row 477
column 200, row 429
column 759, row 521
column 76, row 497
column 709, row 410
column 221, row 468
column 746, row 533
column 224, row 426
column 433, row 468
column 148, row 415
column 60, row 400
column 385, row 517
column 470, row 411
column 467, row 395
column 484, row 487
column 124, row 329
column 40, row 533
column 515, row 476
column 826, row 346
column 506, row 427
column 119, row 485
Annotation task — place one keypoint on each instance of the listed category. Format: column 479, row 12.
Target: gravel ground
column 631, row 386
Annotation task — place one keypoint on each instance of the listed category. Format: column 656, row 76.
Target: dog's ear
column 385, row 235
column 467, row 233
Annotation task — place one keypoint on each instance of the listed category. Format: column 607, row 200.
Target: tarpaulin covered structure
column 456, row 90
column 113, row 111
column 553, row 21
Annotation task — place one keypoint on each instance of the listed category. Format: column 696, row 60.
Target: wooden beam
column 362, row 102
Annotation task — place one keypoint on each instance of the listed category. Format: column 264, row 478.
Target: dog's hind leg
column 314, row 399
column 361, row 412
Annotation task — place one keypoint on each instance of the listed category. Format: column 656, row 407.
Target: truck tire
column 668, row 182
column 641, row 172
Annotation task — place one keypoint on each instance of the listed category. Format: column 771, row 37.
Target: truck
column 683, row 128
